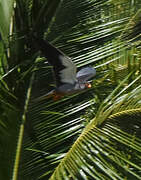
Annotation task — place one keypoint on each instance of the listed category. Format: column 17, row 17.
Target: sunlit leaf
column 6, row 12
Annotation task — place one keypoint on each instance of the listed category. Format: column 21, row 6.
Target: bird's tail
column 45, row 96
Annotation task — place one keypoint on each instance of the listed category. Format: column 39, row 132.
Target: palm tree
column 92, row 135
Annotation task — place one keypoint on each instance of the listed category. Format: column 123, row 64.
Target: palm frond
column 132, row 30
column 109, row 150
column 46, row 131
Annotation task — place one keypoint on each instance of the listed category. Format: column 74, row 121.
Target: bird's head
column 84, row 75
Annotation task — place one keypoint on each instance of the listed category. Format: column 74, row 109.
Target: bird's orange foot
column 57, row 96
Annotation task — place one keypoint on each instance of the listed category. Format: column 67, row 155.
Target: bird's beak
column 88, row 85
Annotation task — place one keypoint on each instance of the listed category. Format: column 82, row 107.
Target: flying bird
column 68, row 80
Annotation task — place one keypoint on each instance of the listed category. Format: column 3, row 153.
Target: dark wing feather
column 64, row 68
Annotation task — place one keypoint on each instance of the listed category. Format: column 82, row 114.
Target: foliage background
column 92, row 135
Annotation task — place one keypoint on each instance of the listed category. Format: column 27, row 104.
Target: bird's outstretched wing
column 64, row 69
column 68, row 73
column 85, row 74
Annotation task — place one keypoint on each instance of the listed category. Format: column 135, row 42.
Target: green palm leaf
column 6, row 11
column 58, row 140
column 110, row 150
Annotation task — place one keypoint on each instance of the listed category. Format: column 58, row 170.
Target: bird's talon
column 57, row 96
